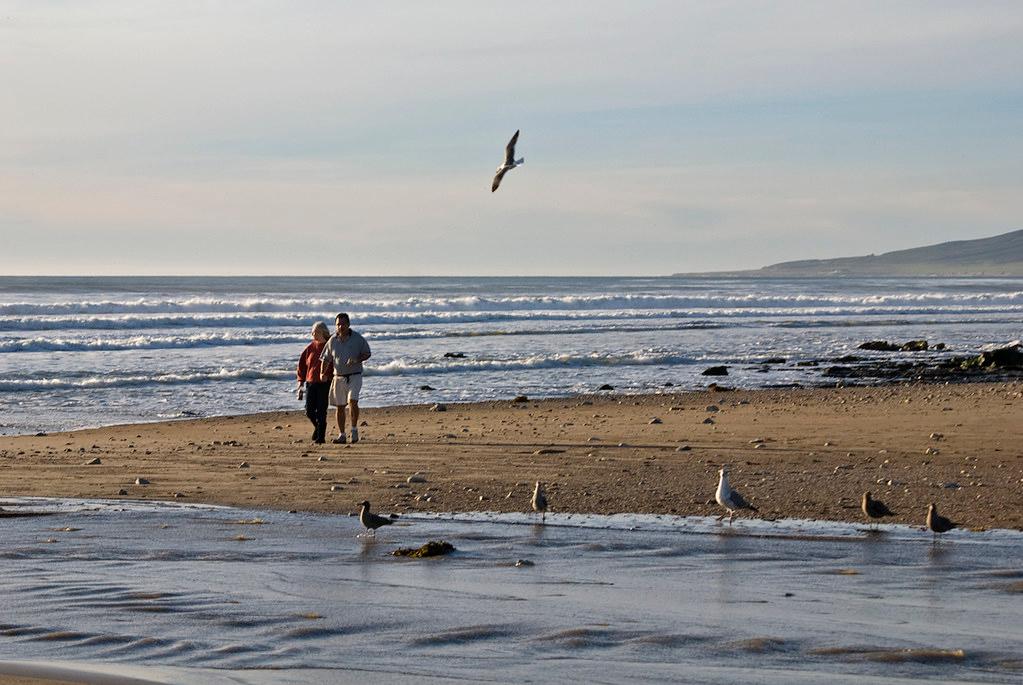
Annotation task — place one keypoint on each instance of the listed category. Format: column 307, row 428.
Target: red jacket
column 309, row 363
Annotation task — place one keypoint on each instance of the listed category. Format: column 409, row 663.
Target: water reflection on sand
column 166, row 587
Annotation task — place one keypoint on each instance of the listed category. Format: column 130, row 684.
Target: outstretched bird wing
column 498, row 177
column 509, row 152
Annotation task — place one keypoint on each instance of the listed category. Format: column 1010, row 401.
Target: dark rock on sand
column 434, row 548
column 454, row 355
column 520, row 398
column 606, row 387
column 716, row 371
column 914, row 346
column 774, row 360
column 426, row 387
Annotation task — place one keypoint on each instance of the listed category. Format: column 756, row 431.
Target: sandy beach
column 794, row 453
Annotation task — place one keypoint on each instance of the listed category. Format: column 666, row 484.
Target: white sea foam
column 142, row 342
column 396, row 367
column 121, row 381
column 235, row 320
column 116, row 342
column 404, row 367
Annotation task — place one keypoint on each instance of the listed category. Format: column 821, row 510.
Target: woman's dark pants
column 316, row 408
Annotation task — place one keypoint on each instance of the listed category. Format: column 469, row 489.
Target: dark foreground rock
column 716, row 371
column 434, row 548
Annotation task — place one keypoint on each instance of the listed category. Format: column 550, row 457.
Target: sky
column 332, row 137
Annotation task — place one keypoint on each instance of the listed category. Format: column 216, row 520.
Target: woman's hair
column 320, row 330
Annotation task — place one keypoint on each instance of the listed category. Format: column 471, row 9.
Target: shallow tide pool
column 186, row 593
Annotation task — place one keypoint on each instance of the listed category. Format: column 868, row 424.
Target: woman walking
column 315, row 386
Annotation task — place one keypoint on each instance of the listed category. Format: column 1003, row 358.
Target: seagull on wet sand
column 729, row 498
column 938, row 523
column 509, row 162
column 874, row 509
column 371, row 521
column 539, row 502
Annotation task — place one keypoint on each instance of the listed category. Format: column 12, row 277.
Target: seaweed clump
column 433, row 548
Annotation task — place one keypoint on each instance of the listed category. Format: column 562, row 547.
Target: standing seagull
column 874, row 509
column 539, row 501
column 509, row 161
column 936, row 522
column 729, row 498
column 371, row 521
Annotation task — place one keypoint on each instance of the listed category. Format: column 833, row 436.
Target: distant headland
column 1001, row 255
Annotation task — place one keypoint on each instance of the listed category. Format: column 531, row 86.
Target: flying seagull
column 729, row 498
column 539, row 500
column 936, row 522
column 371, row 521
column 509, row 161
column 874, row 509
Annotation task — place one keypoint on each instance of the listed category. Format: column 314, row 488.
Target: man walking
column 345, row 351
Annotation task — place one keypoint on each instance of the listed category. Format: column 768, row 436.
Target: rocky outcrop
column 1009, row 357
column 879, row 346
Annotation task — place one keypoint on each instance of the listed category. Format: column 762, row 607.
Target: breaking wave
column 521, row 303
column 142, row 321
column 397, row 367
column 117, row 381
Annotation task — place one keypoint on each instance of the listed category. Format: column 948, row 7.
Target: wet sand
column 171, row 593
column 804, row 453
column 39, row 673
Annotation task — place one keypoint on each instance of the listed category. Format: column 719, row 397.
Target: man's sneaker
column 355, row 436
column 339, row 440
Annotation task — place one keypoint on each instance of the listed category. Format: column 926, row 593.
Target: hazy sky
column 341, row 138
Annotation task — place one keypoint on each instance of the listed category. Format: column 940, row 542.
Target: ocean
column 89, row 351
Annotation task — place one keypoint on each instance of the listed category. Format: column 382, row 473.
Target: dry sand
column 794, row 453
